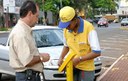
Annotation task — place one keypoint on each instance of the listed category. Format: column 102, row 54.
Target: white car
column 124, row 22
column 48, row 39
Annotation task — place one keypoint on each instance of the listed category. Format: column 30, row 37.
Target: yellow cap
column 66, row 14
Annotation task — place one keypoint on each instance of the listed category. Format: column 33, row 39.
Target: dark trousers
column 80, row 75
column 28, row 75
column 76, row 74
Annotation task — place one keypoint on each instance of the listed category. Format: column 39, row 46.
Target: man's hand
column 75, row 61
column 45, row 57
column 60, row 61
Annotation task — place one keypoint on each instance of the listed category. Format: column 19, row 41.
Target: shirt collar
column 81, row 26
column 25, row 26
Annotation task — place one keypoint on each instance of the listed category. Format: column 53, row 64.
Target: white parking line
column 112, row 44
column 113, row 41
column 118, row 39
column 105, row 68
column 108, row 57
column 118, row 36
column 106, row 43
column 111, row 48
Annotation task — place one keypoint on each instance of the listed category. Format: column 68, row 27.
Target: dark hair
column 75, row 16
column 26, row 7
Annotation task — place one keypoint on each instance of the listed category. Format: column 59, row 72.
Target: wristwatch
column 80, row 58
column 41, row 58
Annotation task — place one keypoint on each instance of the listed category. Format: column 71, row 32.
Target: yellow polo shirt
column 78, row 43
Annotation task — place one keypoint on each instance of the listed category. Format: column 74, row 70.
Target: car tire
column 98, row 25
column 0, row 76
column 95, row 78
column 106, row 25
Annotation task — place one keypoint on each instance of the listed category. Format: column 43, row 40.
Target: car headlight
column 97, row 59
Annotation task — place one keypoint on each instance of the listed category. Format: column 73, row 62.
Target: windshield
column 125, row 19
column 102, row 19
column 48, row 37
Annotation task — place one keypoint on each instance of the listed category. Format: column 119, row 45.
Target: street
column 113, row 41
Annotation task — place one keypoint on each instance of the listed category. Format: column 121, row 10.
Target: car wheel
column 0, row 76
column 106, row 25
column 98, row 25
column 95, row 78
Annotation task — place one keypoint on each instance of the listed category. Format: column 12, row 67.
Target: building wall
column 123, row 9
column 8, row 16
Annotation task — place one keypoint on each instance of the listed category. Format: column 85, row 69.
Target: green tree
column 53, row 6
column 106, row 5
column 90, row 6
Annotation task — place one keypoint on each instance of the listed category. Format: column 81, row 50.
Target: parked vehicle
column 102, row 22
column 90, row 20
column 96, row 19
column 48, row 39
column 116, row 20
column 110, row 17
column 124, row 22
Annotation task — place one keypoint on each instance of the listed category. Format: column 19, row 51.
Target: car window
column 125, row 19
column 48, row 37
column 3, row 41
column 103, row 19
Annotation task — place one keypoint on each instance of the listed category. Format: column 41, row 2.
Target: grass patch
column 3, row 29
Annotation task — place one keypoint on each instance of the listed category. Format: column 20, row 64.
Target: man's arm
column 44, row 57
column 89, row 56
column 63, row 54
column 24, row 54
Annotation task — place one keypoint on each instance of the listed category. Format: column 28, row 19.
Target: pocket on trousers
column 20, row 76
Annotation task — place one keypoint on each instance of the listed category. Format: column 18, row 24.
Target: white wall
column 123, row 8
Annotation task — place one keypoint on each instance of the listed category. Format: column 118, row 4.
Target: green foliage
column 51, row 5
column 90, row 6
column 3, row 29
column 106, row 4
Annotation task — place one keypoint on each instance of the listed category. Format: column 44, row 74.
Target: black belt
column 30, row 71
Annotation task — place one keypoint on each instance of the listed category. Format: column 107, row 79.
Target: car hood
column 54, row 51
column 124, row 21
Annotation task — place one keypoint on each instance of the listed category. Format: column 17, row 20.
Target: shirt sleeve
column 94, row 42
column 22, row 49
column 64, row 41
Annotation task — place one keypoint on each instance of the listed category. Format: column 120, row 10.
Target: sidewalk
column 117, row 71
column 5, row 31
column 124, row 28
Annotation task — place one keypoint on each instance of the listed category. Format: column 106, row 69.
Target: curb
column 124, row 28
column 103, row 75
column 4, row 31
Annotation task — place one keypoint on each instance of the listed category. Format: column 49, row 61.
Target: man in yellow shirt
column 80, row 38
